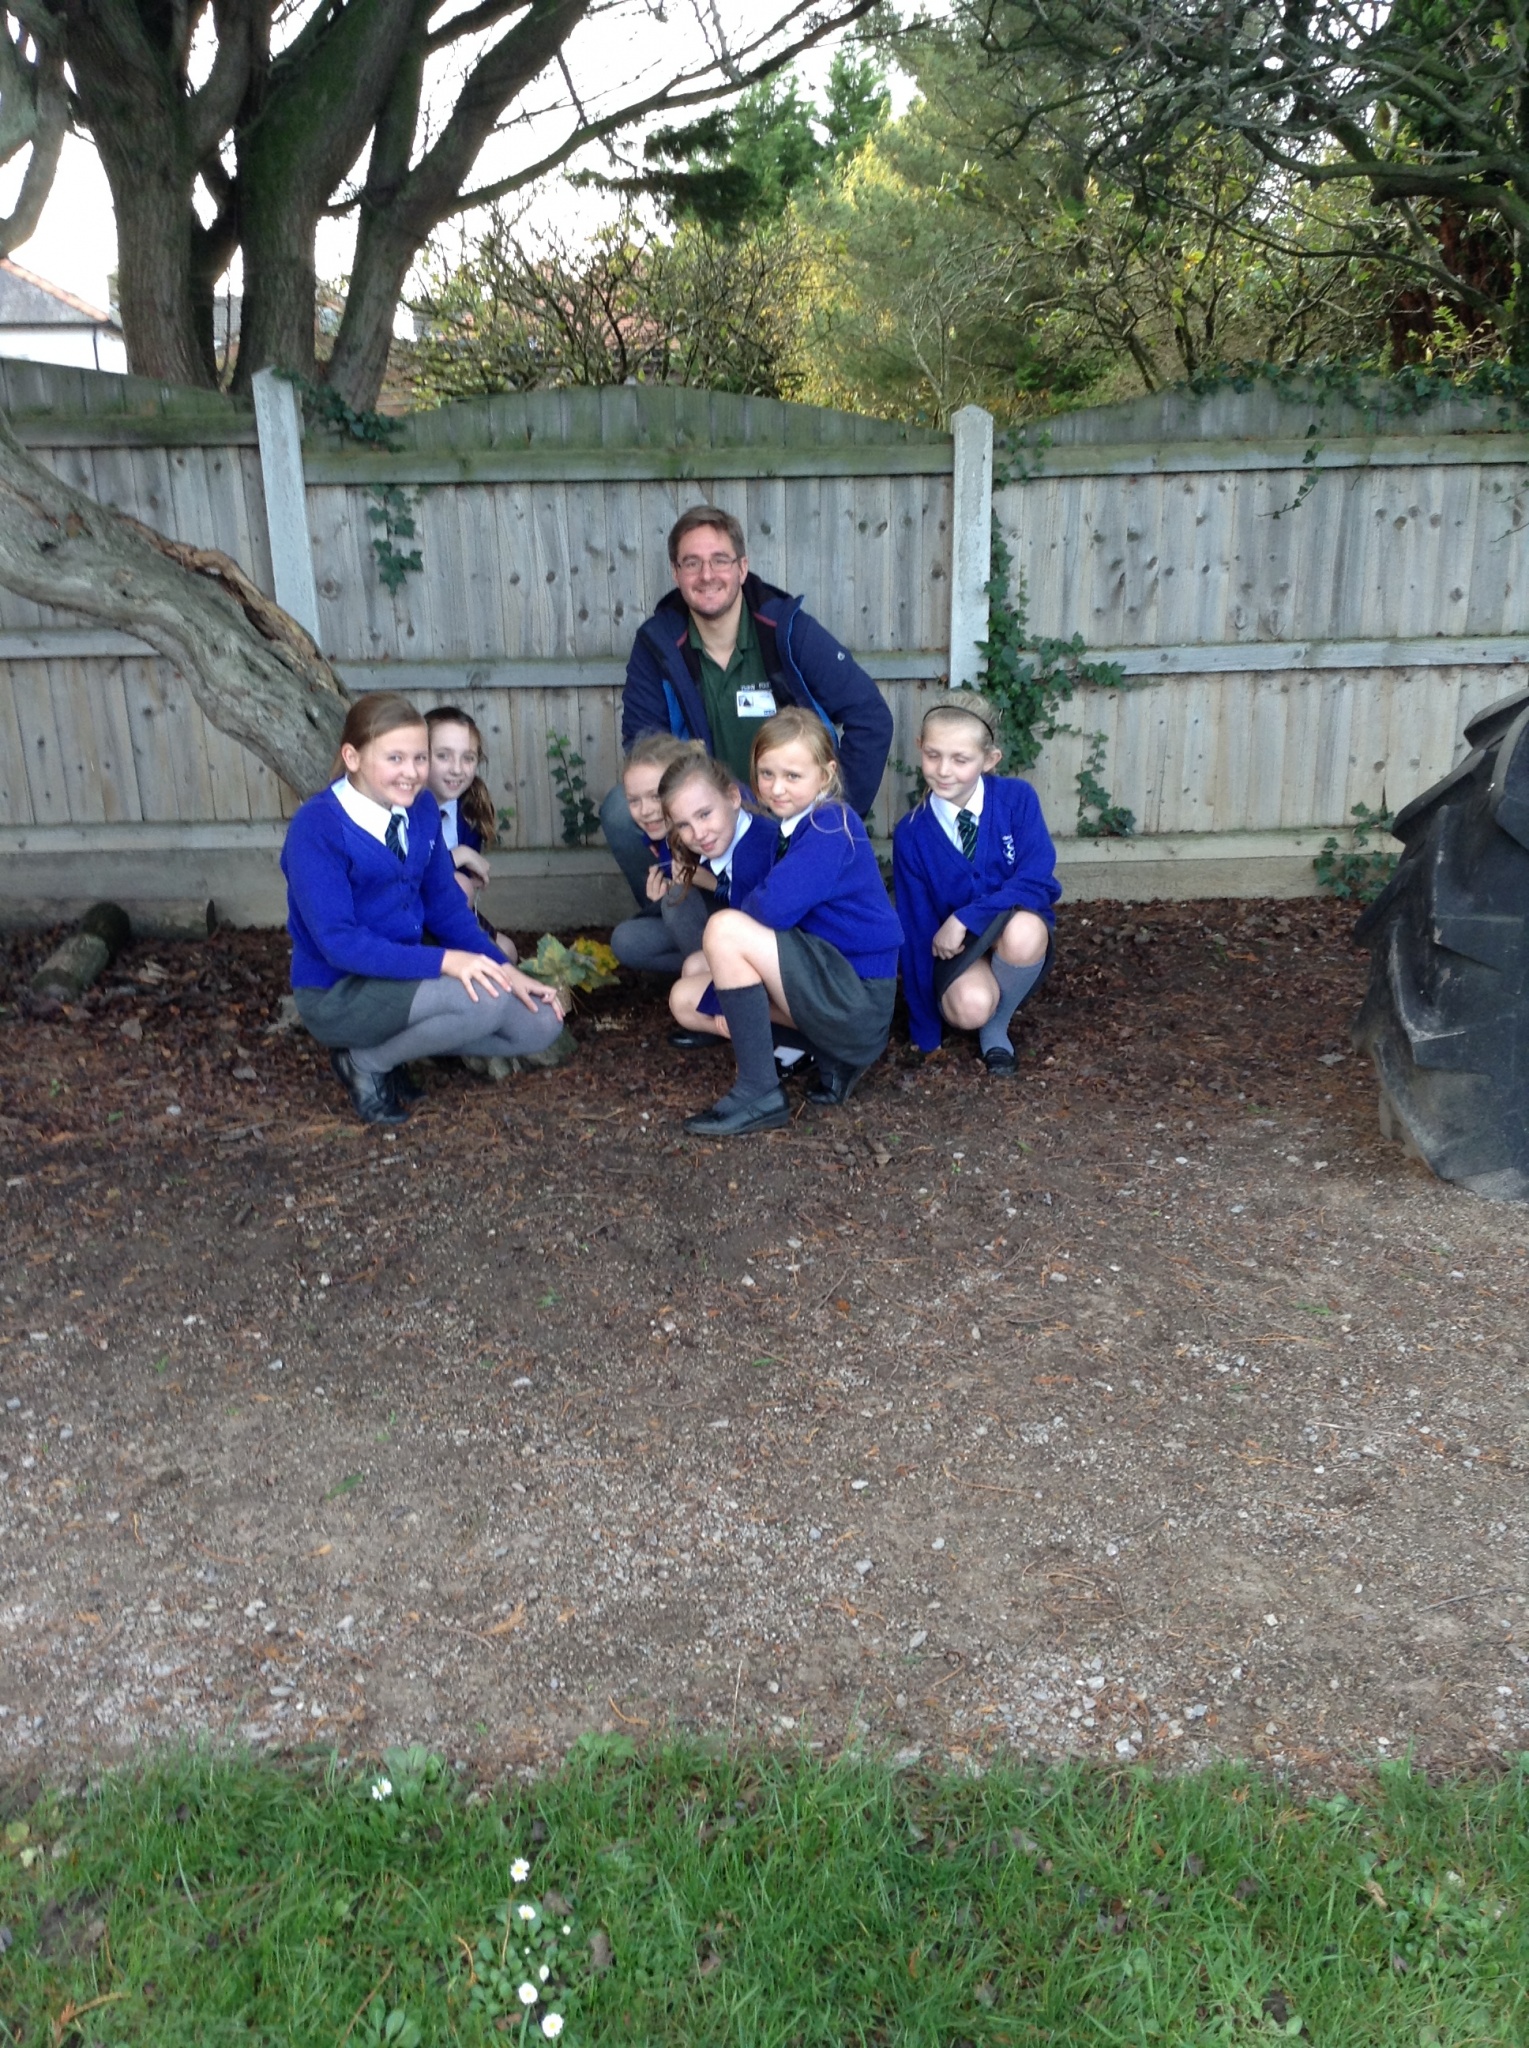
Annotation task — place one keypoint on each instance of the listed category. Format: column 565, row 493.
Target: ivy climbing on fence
column 392, row 508
column 1029, row 678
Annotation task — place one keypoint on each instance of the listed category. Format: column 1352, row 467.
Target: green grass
column 765, row 1899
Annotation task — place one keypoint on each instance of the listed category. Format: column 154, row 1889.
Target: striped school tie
column 724, row 889
column 782, row 843
column 395, row 841
column 966, row 825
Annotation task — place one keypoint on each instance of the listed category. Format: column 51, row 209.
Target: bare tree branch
column 252, row 669
column 34, row 113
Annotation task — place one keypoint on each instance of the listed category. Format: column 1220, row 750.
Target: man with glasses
column 725, row 651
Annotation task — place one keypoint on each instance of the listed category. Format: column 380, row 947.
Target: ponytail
column 369, row 717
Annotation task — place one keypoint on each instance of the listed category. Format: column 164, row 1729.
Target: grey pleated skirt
column 977, row 947
column 361, row 1009
column 835, row 1011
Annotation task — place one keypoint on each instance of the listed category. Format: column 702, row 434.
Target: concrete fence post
column 279, row 425
column 971, row 541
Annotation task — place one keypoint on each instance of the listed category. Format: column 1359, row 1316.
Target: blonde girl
column 974, row 873
column 811, row 944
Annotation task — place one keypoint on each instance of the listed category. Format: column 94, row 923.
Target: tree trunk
column 252, row 669
column 384, row 252
column 316, row 109
column 402, row 206
column 276, row 322
column 155, row 292
column 385, row 245
column 134, row 107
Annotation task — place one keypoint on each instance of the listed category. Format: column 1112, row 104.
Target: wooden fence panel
column 36, row 716
column 542, row 524
column 1165, row 560
column 1259, row 751
column 15, row 792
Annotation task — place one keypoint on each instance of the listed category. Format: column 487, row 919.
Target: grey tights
column 661, row 941
column 443, row 1018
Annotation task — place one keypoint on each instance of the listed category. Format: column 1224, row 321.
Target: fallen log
column 86, row 954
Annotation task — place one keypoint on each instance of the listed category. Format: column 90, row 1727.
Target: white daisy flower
column 552, row 2025
column 528, row 1994
column 526, row 1912
column 520, row 1870
column 382, row 1788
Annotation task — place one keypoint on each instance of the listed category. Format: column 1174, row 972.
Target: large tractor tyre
column 1446, row 1016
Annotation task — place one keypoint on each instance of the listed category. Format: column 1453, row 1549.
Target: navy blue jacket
column 804, row 663
column 1014, row 869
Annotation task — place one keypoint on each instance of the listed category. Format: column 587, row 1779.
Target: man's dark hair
column 706, row 515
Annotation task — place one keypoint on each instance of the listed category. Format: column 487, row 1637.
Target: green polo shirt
column 732, row 734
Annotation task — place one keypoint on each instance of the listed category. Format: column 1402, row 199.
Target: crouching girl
column 368, row 875
column 811, row 944
column 661, row 938
column 974, row 873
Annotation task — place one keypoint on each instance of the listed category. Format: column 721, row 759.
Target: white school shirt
column 449, row 830
column 945, row 815
column 371, row 817
column 722, row 863
column 786, row 826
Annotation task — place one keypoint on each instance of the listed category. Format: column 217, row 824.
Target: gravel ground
column 1149, row 1406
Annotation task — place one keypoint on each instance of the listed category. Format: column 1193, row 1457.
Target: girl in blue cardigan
column 469, row 824
column 663, row 936
column 812, row 944
column 974, row 874
column 388, row 961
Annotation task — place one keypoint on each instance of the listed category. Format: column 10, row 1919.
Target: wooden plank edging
column 1233, row 657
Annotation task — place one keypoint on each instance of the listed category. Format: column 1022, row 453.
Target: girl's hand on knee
column 950, row 938
column 533, row 992
column 477, row 970
column 658, row 884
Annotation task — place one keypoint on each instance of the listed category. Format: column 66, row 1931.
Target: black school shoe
column 371, row 1097
column 695, row 1041
column 1000, row 1061
column 760, row 1113
column 835, row 1084
column 406, row 1090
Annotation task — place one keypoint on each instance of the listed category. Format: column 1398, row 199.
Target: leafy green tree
column 1417, row 108
column 739, row 166
column 966, row 254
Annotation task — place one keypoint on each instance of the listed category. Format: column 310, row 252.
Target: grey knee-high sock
column 1014, row 984
column 747, row 1011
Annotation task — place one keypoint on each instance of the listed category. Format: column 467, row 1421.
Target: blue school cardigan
column 355, row 908
column 1014, row 869
column 828, row 884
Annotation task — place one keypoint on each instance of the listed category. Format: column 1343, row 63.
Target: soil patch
column 1149, row 1405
